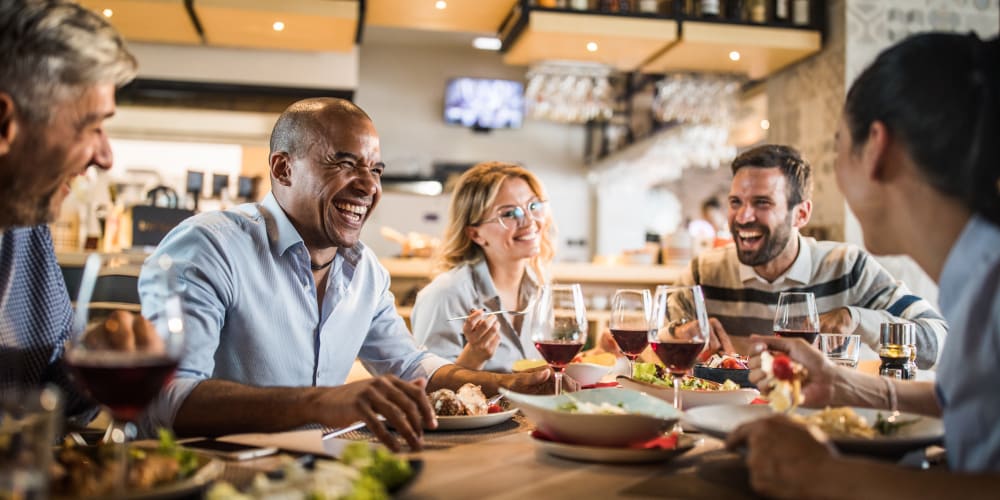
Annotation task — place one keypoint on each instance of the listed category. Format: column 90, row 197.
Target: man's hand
column 719, row 339
column 538, row 381
column 482, row 335
column 818, row 387
column 838, row 320
column 785, row 458
column 124, row 331
column 404, row 405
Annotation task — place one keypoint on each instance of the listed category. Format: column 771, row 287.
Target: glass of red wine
column 679, row 331
column 120, row 359
column 559, row 326
column 631, row 311
column 796, row 316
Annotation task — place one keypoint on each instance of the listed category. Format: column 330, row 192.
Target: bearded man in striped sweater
column 769, row 201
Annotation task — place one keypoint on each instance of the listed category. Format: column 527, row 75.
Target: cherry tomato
column 733, row 364
column 494, row 408
column 782, row 368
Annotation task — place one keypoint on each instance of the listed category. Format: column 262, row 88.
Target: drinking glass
column 121, row 371
column 631, row 311
column 841, row 348
column 29, row 421
column 559, row 326
column 679, row 332
column 797, row 316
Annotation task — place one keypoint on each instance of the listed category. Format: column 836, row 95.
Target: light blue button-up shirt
column 251, row 314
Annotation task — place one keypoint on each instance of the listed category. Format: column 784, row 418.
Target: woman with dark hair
column 918, row 160
column 496, row 251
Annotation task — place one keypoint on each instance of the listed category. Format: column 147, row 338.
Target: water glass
column 842, row 349
column 29, row 421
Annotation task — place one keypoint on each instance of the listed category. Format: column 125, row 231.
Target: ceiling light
column 592, row 46
column 440, row 5
column 278, row 26
column 108, row 12
column 734, row 56
column 764, row 124
column 486, row 43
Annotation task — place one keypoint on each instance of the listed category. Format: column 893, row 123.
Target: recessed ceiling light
column 734, row 56
column 486, row 43
column 592, row 46
column 764, row 124
column 440, row 5
column 278, row 26
column 108, row 12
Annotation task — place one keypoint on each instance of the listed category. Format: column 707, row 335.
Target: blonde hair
column 474, row 193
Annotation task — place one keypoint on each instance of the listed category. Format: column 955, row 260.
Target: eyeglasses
column 516, row 216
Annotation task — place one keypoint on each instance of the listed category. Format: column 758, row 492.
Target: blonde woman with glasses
column 496, row 250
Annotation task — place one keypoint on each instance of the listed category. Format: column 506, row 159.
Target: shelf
column 624, row 42
column 565, row 272
column 706, row 46
column 160, row 21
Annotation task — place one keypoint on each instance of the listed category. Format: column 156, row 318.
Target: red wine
column 807, row 335
column 678, row 355
column 558, row 352
column 631, row 342
column 124, row 382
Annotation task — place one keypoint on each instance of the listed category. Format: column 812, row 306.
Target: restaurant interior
column 629, row 112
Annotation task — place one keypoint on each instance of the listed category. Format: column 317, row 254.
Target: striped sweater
column 838, row 274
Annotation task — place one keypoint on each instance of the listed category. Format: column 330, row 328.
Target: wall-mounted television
column 484, row 103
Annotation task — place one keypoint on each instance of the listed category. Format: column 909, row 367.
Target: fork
column 491, row 313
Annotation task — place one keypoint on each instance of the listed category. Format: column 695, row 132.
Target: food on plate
column 656, row 374
column 362, row 472
column 91, row 471
column 468, row 401
column 597, row 358
column 726, row 361
column 604, row 408
column 784, row 378
column 523, row 365
column 843, row 422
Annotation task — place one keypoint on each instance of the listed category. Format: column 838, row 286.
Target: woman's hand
column 820, row 383
column 482, row 336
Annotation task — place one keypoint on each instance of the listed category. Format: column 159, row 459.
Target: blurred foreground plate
column 190, row 487
column 719, row 421
column 465, row 422
column 613, row 455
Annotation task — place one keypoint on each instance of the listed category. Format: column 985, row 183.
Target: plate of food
column 654, row 380
column 467, row 408
column 721, row 367
column 597, row 417
column 662, row 450
column 166, row 470
column 852, row 430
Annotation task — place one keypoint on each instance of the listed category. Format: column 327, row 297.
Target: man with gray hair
column 61, row 66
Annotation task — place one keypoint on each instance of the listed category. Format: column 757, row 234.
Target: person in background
column 280, row 297
column 917, row 161
column 496, row 249
column 769, row 200
column 61, row 66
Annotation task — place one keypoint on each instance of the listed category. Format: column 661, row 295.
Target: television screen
column 484, row 103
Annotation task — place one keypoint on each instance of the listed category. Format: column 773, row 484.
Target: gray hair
column 54, row 50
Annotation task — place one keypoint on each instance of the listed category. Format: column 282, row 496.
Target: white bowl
column 692, row 398
column 648, row 417
column 587, row 373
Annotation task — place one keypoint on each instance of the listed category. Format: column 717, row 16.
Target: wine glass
column 679, row 331
column 796, row 316
column 121, row 360
column 559, row 326
column 630, row 316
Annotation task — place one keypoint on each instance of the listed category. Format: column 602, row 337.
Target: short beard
column 16, row 211
column 774, row 244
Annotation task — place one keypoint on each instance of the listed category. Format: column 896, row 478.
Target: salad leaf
column 889, row 427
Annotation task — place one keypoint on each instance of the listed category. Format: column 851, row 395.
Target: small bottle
column 800, row 13
column 781, row 12
column 579, row 4
column 896, row 351
column 757, row 11
column 735, row 10
column 649, row 6
column 709, row 8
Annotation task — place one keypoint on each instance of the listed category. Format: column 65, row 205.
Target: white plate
column 719, row 421
column 613, row 455
column 692, row 399
column 648, row 417
column 464, row 422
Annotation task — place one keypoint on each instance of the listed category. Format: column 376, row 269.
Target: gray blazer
column 455, row 293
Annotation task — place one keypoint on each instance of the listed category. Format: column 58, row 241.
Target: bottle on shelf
column 782, row 12
column 735, row 10
column 757, row 11
column 800, row 12
column 710, row 8
column 649, row 6
column 579, row 4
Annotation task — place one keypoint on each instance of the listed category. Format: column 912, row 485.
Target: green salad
column 657, row 375
column 362, row 473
